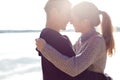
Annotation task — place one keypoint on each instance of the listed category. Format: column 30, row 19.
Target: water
column 19, row 60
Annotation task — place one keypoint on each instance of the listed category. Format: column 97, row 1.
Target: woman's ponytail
column 107, row 30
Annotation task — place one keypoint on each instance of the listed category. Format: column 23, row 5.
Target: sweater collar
column 86, row 36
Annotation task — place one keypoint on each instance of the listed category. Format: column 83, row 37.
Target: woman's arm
column 74, row 65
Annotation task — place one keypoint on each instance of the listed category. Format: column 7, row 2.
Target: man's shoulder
column 45, row 31
column 50, row 33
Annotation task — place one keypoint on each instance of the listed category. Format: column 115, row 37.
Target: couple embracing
column 86, row 60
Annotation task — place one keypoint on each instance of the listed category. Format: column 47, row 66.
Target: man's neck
column 52, row 26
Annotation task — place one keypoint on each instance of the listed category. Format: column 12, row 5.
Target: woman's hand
column 40, row 43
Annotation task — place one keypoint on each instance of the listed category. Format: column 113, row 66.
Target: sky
column 29, row 14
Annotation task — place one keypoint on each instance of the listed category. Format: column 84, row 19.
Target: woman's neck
column 87, row 30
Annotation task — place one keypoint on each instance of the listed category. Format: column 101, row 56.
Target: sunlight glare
column 74, row 2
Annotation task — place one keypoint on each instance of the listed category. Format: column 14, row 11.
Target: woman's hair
column 59, row 4
column 87, row 10
column 107, row 30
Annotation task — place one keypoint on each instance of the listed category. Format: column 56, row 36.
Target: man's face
column 64, row 16
column 60, row 16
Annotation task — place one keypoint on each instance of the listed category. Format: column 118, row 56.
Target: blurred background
column 21, row 21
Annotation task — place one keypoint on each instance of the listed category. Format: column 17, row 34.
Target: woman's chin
column 76, row 31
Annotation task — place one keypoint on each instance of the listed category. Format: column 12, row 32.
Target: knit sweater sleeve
column 76, row 64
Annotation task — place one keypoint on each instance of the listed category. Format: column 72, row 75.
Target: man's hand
column 40, row 43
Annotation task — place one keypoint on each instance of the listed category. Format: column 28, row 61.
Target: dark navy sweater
column 63, row 45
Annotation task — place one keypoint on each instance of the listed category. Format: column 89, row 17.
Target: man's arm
column 39, row 53
column 68, row 40
column 43, row 35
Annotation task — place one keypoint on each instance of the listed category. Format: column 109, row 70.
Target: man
column 58, row 13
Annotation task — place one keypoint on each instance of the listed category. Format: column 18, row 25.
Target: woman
column 92, row 47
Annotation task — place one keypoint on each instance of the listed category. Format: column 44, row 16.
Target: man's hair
column 58, row 4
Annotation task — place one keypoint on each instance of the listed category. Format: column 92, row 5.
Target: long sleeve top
column 54, row 38
column 91, row 54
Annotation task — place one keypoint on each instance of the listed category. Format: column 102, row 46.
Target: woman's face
column 77, row 23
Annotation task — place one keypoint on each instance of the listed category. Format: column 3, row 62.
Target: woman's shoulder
column 98, row 38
